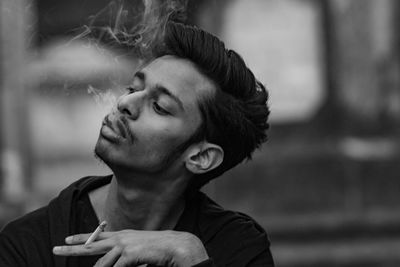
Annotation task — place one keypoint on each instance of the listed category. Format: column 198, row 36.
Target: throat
column 134, row 209
column 144, row 216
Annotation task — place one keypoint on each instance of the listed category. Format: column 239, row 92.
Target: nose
column 130, row 105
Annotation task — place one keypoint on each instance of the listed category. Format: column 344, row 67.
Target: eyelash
column 131, row 90
column 157, row 108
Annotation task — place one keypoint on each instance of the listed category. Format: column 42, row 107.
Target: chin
column 100, row 151
column 104, row 154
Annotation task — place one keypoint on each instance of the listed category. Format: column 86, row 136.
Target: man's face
column 156, row 116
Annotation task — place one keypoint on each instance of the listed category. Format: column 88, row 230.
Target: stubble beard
column 167, row 159
column 98, row 154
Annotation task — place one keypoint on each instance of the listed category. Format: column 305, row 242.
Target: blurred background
column 326, row 186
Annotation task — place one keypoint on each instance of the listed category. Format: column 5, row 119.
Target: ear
column 204, row 157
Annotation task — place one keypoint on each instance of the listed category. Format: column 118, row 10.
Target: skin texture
column 141, row 141
column 156, row 133
column 130, row 247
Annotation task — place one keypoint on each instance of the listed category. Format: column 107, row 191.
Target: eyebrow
column 161, row 89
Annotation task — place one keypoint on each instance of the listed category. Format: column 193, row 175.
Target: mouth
column 119, row 128
column 108, row 131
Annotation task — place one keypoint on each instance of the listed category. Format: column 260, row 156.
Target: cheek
column 166, row 137
column 161, row 134
column 161, row 129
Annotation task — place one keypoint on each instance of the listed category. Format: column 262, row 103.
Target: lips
column 109, row 132
column 118, row 127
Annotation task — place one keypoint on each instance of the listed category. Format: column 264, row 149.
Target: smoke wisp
column 135, row 26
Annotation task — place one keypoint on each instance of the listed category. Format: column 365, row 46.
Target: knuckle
column 184, row 236
column 76, row 238
column 120, row 240
column 73, row 252
column 123, row 239
column 188, row 242
column 181, row 251
column 89, row 246
column 131, row 250
column 128, row 253
column 192, row 238
column 66, row 249
column 125, row 253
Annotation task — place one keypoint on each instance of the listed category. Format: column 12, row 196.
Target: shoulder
column 31, row 236
column 232, row 237
column 215, row 220
column 31, row 220
column 24, row 236
column 38, row 220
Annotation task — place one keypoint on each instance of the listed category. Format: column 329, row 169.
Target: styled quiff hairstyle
column 235, row 117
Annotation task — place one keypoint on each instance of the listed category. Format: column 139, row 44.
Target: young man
column 192, row 113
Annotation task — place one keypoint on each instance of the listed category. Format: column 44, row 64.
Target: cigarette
column 96, row 232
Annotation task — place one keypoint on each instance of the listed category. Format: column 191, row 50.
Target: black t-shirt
column 230, row 238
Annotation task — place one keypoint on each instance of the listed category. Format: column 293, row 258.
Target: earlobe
column 205, row 158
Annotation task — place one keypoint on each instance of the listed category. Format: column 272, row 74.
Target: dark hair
column 235, row 117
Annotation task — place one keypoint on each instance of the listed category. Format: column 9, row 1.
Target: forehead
column 181, row 77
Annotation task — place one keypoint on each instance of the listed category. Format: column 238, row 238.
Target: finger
column 123, row 262
column 95, row 248
column 81, row 238
column 109, row 259
column 77, row 239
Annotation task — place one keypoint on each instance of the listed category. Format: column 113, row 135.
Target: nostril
column 127, row 107
column 126, row 111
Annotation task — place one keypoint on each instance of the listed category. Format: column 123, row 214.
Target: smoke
column 135, row 26
column 106, row 99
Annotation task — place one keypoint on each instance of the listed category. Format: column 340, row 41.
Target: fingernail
column 56, row 250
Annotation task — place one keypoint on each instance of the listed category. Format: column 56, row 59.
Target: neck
column 125, row 204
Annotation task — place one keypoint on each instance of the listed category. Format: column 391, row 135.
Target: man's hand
column 132, row 248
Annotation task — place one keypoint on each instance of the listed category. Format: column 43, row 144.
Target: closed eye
column 131, row 90
column 157, row 108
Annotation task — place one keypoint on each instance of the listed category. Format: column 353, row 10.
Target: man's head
column 235, row 115
column 156, row 120
column 225, row 119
